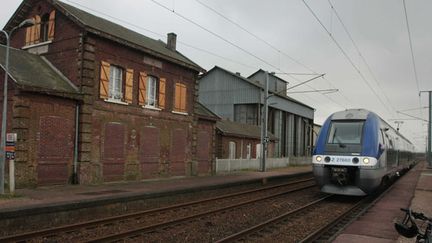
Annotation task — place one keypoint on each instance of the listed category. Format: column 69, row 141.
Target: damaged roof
column 35, row 73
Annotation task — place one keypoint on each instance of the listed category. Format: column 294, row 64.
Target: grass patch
column 9, row 196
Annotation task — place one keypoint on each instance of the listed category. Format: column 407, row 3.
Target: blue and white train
column 356, row 151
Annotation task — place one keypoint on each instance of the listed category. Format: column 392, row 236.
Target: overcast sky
column 283, row 36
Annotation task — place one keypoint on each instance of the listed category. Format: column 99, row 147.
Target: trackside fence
column 229, row 165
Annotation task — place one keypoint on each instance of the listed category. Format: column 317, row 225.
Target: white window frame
column 232, row 150
column 151, row 95
column 248, row 151
column 116, row 83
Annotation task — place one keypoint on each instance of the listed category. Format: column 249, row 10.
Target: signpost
column 11, row 139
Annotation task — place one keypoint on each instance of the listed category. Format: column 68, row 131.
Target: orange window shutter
column 51, row 25
column 142, row 88
column 177, row 97
column 28, row 35
column 162, row 84
column 183, row 98
column 37, row 27
column 129, row 86
column 104, row 80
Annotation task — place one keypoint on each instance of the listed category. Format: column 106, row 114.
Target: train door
column 382, row 159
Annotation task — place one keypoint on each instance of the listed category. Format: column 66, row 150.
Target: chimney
column 171, row 41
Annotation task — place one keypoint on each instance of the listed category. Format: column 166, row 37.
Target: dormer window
column 44, row 28
column 42, row 31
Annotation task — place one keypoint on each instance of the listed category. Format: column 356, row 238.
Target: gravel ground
column 220, row 225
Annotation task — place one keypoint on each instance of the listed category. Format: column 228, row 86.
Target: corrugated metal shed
column 220, row 89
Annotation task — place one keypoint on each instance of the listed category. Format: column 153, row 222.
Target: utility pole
column 264, row 133
column 429, row 142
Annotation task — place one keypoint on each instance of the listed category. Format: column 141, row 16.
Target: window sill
column 36, row 45
column 180, row 113
column 116, row 101
column 151, row 108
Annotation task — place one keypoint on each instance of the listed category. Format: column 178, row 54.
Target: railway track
column 329, row 232
column 325, row 233
column 96, row 230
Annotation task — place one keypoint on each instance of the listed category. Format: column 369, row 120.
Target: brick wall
column 116, row 142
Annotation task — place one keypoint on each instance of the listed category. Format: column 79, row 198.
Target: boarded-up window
column 113, row 154
column 180, row 98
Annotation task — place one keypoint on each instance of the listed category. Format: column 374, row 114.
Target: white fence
column 227, row 165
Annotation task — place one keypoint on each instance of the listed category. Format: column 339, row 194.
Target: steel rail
column 92, row 223
column 363, row 205
column 141, row 230
column 249, row 231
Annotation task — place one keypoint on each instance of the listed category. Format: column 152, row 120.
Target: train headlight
column 366, row 160
column 318, row 158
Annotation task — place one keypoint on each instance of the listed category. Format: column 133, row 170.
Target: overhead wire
column 229, row 42
column 412, row 54
column 271, row 46
column 346, row 56
column 360, row 54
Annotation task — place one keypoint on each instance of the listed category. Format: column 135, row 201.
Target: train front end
column 345, row 159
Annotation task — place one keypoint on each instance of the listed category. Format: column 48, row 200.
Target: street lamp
column 25, row 23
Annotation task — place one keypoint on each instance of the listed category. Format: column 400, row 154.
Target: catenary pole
column 429, row 156
column 429, row 135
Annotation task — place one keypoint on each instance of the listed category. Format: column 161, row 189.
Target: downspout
column 75, row 159
column 75, row 180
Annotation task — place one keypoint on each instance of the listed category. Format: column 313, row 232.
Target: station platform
column 70, row 197
column 413, row 190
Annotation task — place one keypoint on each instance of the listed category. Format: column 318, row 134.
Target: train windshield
column 345, row 133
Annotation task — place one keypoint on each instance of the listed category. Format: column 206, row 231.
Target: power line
column 346, row 55
column 360, row 54
column 412, row 53
column 273, row 47
column 228, row 41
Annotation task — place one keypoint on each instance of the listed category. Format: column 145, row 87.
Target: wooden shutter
column 177, row 97
column 37, row 30
column 162, row 84
column 29, row 35
column 183, row 98
column 51, row 25
column 104, row 80
column 142, row 88
column 129, row 86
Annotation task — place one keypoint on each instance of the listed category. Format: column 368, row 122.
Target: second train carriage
column 356, row 150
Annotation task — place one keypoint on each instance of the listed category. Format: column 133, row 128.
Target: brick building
column 109, row 104
column 235, row 140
